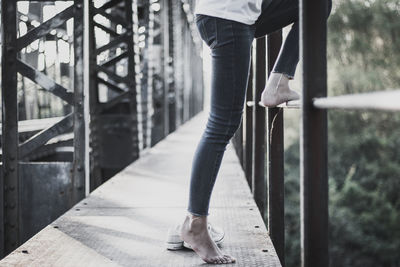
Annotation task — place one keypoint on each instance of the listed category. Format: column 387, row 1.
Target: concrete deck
column 124, row 222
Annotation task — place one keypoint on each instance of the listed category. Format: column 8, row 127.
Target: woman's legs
column 230, row 44
column 276, row 15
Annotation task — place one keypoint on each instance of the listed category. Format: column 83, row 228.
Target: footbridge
column 103, row 104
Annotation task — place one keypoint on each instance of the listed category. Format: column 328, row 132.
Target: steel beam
column 103, row 107
column 313, row 148
column 248, row 129
column 114, row 60
column 10, row 208
column 170, row 69
column 44, row 81
column 121, row 90
column 110, row 85
column 45, row 28
column 178, row 22
column 111, row 4
column 133, row 61
column 165, row 28
column 93, row 83
column 115, row 42
column 111, row 74
column 259, row 184
column 45, row 135
column 187, row 76
column 106, row 29
column 149, row 100
column 275, row 170
column 112, row 16
column 78, row 167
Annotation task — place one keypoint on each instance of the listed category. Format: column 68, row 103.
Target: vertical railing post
column 10, row 230
column 275, row 171
column 237, row 142
column 170, row 69
column 314, row 177
column 165, row 68
column 248, row 129
column 259, row 147
column 78, row 173
column 150, row 77
column 95, row 166
column 178, row 60
column 136, row 106
column 187, row 84
column 133, row 62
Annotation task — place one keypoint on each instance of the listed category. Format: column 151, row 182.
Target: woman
column 228, row 27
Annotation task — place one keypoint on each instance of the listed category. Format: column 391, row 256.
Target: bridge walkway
column 124, row 222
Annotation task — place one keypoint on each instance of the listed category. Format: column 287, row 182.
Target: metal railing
column 259, row 141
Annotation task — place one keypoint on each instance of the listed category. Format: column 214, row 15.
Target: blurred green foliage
column 364, row 147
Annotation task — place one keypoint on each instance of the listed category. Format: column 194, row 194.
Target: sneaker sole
column 174, row 246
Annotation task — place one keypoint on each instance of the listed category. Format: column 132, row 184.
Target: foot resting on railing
column 277, row 91
column 195, row 234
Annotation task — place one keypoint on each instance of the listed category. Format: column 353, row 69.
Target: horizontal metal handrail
column 295, row 104
column 384, row 100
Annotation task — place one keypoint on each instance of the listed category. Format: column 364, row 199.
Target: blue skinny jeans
column 230, row 43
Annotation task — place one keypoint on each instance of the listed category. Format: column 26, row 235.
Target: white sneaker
column 174, row 241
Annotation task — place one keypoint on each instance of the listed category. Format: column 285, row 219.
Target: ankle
column 193, row 216
column 286, row 75
column 276, row 82
column 195, row 222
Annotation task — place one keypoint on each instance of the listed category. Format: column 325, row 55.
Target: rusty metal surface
column 10, row 208
column 45, row 135
column 45, row 192
column 44, row 81
column 45, row 28
column 124, row 222
column 259, row 184
column 15, row 59
column 79, row 158
column 114, row 122
column 313, row 144
column 275, row 160
column 248, row 129
column 115, row 136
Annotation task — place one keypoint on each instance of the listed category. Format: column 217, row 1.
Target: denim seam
column 234, row 95
column 234, row 79
column 230, row 115
column 214, row 174
column 198, row 17
column 215, row 42
column 234, row 82
column 216, row 32
column 202, row 28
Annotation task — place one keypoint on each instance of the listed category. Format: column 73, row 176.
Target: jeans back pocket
column 207, row 27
